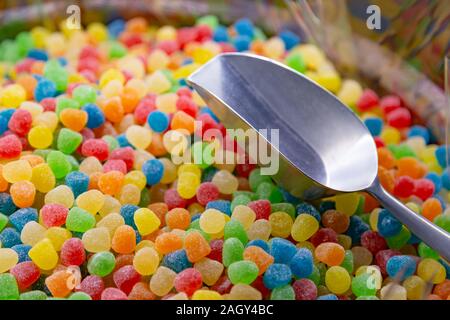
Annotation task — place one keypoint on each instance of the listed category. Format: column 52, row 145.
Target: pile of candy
column 93, row 207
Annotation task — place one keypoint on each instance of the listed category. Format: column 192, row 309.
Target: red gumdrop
column 324, row 235
column 223, row 285
column 304, row 289
column 93, row 286
column 89, row 52
column 168, row 46
column 113, row 294
column 368, row 100
column 258, row 284
column 188, row 281
column 404, row 186
column 131, row 39
column 54, row 215
column 20, row 122
column 186, row 35
column 207, row 123
column 244, row 169
column 216, row 246
column 96, row 148
column 26, row 273
column 125, row 154
column 49, row 104
column 173, row 199
column 423, row 188
column 88, row 64
column 399, row 118
column 115, row 165
column 226, row 47
column 125, row 278
column 262, row 208
column 390, row 103
column 72, row 252
column 372, row 241
column 378, row 142
column 144, row 107
column 24, row 66
column 204, row 33
column 89, row 75
column 206, row 192
column 184, row 92
column 187, row 105
column 10, row 146
column 382, row 257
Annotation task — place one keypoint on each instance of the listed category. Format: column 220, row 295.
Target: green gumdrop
column 9, row 51
column 401, row 151
column 24, row 43
column 368, row 298
column 199, row 152
column 242, row 272
column 8, row 287
column 56, row 73
column 360, row 207
column 443, row 221
column 65, row 103
column 145, row 198
column 235, row 229
column 400, row 239
column 68, row 140
column 43, row 153
column 268, row 191
column 3, row 221
column 79, row 220
column 253, row 196
column 79, row 296
column 362, row 285
column 33, row 295
column 84, row 94
column 284, row 207
column 59, row 164
column 315, row 275
column 233, row 250
column 365, row 217
column 322, row 270
column 426, row 252
column 283, row 293
column 258, row 34
column 296, row 62
column 117, row 50
column 209, row 20
column 112, row 142
column 239, row 200
column 347, row 263
column 255, row 179
column 101, row 264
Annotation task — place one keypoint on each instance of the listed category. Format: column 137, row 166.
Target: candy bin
column 119, row 182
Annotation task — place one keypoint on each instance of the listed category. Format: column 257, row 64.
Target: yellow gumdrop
column 166, row 33
column 62, row 195
column 245, row 215
column 157, row 60
column 111, row 205
column 146, row 221
column 129, row 194
column 390, row 135
column 281, row 224
column 157, row 83
column 58, row 236
column 137, row 178
column 415, row 288
column 8, row 259
column 111, row 222
column 97, row 31
column 373, row 219
column 212, row 221
column 347, row 203
column 146, row 261
column 12, row 96
column 32, row 233
column 43, row 178
column 91, row 201
column 431, row 270
column 350, row 92
column 305, row 225
column 206, row 295
column 187, row 185
column 47, row 119
column 34, row 108
column 167, row 102
column 109, row 75
column 40, row 137
column 139, row 137
column 170, row 171
column 44, row 255
column 337, row 280
column 97, row 240
column 18, row 170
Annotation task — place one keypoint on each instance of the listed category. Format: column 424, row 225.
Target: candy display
column 95, row 203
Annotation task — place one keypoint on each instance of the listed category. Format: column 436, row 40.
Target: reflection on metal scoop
column 323, row 146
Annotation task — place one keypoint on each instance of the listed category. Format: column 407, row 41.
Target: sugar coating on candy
column 96, row 204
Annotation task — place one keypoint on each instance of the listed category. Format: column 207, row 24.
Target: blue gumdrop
column 177, row 261
column 375, row 125
column 401, row 267
column 388, row 225
column 356, row 228
column 302, row 263
column 127, row 212
column 305, row 207
column 44, row 89
column 9, row 237
column 96, row 117
column 277, row 275
column 22, row 216
column 221, row 34
column 242, row 43
column 289, row 38
column 158, row 121
column 78, row 182
column 259, row 243
column 22, row 251
column 221, row 205
column 153, row 170
column 282, row 250
column 7, row 206
column 419, row 131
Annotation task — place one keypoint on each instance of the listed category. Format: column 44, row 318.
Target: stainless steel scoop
column 324, row 148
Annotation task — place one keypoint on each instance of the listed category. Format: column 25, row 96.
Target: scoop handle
column 431, row 234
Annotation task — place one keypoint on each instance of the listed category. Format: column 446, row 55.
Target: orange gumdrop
column 23, row 193
column 3, row 182
column 156, row 147
column 257, row 47
column 442, row 289
column 124, row 239
column 28, row 82
column 93, row 180
column 160, row 209
column 113, row 109
column 409, row 166
column 386, row 178
column 136, row 25
column 370, row 202
column 58, row 283
column 330, row 253
column 130, row 99
column 141, row 291
column 168, row 242
column 196, row 246
column 111, row 182
column 431, row 208
column 181, row 120
column 433, row 297
column 260, row 257
column 37, row 67
column 385, row 158
column 73, row 119
column 178, row 218
column 33, row 160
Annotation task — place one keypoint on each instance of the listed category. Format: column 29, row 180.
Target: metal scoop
column 323, row 149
